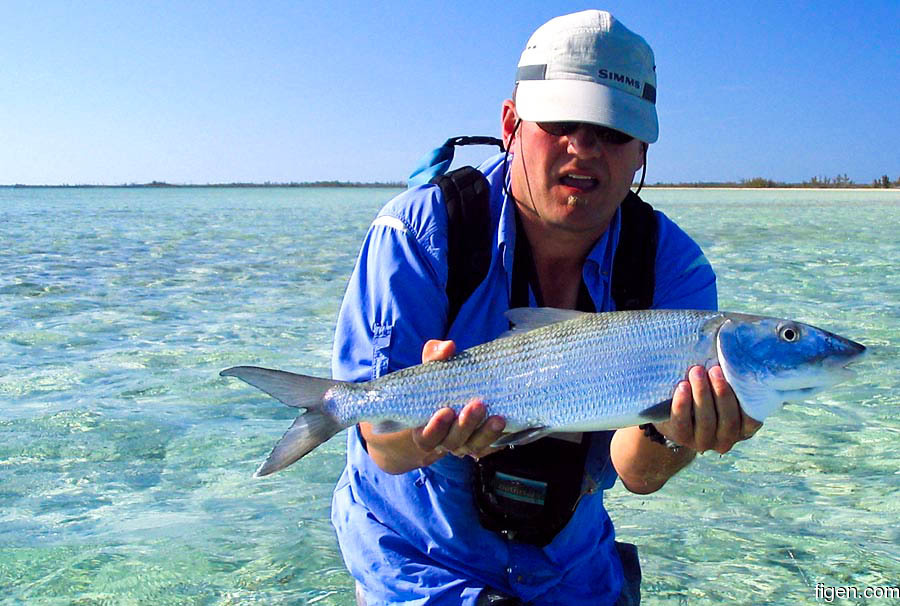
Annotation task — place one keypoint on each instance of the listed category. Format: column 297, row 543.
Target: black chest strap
column 466, row 195
column 634, row 265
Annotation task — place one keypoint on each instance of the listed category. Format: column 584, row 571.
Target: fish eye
column 789, row 333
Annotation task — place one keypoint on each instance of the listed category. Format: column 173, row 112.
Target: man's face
column 573, row 182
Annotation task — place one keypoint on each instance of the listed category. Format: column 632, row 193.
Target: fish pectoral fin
column 658, row 412
column 388, row 426
column 520, row 438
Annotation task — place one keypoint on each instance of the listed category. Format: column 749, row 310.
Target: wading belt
column 528, row 493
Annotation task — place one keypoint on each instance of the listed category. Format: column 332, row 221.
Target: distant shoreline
column 856, row 187
column 163, row 185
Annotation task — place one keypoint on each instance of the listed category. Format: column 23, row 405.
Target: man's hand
column 466, row 434
column 706, row 414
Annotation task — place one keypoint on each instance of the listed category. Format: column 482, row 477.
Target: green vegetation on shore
column 839, row 182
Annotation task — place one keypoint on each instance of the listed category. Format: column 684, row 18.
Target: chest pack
column 529, row 493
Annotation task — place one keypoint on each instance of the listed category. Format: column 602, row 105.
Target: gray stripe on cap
column 531, row 72
column 649, row 93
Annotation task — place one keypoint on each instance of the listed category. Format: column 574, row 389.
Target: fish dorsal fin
column 530, row 318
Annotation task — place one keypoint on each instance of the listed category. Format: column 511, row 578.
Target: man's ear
column 642, row 160
column 509, row 119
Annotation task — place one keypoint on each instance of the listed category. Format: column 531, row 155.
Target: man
column 411, row 520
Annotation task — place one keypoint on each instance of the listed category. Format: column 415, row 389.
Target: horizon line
column 755, row 183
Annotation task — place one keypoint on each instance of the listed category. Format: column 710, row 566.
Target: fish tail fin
column 310, row 429
column 299, row 391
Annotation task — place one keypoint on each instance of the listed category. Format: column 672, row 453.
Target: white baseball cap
column 588, row 67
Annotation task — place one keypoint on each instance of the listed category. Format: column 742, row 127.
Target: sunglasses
column 602, row 134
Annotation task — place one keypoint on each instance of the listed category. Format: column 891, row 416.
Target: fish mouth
column 850, row 353
column 812, row 380
column 841, row 366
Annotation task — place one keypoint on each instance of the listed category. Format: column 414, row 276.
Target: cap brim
column 585, row 101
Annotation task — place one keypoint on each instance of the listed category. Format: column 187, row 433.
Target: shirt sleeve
column 395, row 301
column 684, row 277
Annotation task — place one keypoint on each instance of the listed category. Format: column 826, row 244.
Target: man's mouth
column 579, row 182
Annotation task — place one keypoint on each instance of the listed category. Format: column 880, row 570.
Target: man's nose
column 584, row 141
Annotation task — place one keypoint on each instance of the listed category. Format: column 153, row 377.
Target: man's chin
column 579, row 218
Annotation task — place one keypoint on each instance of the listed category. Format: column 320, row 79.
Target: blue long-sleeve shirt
column 415, row 538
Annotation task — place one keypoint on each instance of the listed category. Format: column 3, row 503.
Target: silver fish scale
column 597, row 371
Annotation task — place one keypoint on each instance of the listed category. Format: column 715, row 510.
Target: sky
column 255, row 91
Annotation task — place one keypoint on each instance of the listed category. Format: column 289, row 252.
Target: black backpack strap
column 634, row 276
column 469, row 236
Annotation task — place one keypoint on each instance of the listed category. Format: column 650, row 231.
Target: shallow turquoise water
column 126, row 462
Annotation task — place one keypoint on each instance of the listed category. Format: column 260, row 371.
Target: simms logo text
column 608, row 75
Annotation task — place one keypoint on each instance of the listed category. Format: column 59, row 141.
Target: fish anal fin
column 520, row 438
column 658, row 412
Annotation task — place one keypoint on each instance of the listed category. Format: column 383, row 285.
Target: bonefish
column 562, row 371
